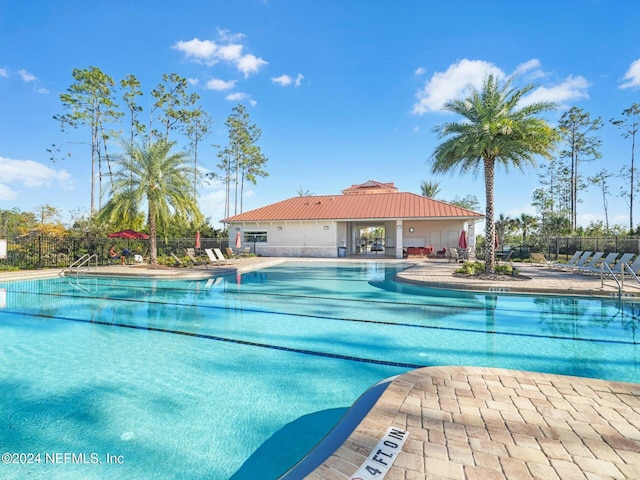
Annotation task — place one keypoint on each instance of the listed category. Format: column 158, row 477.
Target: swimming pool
column 238, row 377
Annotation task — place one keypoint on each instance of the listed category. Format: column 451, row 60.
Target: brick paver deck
column 487, row 423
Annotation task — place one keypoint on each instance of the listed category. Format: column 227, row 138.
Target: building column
column 399, row 240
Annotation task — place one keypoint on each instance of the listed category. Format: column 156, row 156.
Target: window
column 255, row 237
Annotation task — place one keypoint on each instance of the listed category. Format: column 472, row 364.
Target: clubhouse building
column 334, row 225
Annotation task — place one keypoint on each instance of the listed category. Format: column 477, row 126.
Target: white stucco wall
column 432, row 233
column 294, row 239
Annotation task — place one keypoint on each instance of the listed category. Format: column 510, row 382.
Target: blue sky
column 344, row 91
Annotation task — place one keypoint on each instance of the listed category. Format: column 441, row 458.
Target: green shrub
column 8, row 268
column 471, row 268
column 504, row 269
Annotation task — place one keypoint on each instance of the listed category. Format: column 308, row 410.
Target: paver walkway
column 486, row 423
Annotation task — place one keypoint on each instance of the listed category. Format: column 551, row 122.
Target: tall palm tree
column 429, row 189
column 525, row 223
column 494, row 130
column 504, row 225
column 151, row 176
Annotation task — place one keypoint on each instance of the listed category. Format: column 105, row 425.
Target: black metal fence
column 564, row 247
column 47, row 252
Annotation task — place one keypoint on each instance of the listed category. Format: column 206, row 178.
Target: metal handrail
column 613, row 275
column 626, row 265
column 82, row 261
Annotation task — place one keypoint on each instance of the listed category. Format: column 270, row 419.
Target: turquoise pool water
column 238, row 377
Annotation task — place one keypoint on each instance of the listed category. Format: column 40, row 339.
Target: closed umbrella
column 462, row 241
column 238, row 240
column 197, row 245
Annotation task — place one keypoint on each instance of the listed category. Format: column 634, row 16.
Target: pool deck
column 475, row 422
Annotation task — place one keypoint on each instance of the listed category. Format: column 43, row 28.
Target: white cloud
column 193, row 81
column 212, row 203
column 220, row 85
column 227, row 36
column 229, row 51
column 532, row 64
column 42, row 91
column 6, row 193
column 238, row 96
column 283, row 80
column 420, row 71
column 249, row 64
column 32, row 174
column 572, row 88
column 201, row 51
column 26, row 76
column 4, row 73
column 632, row 76
column 453, row 83
column 234, row 97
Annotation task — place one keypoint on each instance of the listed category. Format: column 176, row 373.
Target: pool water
column 238, row 377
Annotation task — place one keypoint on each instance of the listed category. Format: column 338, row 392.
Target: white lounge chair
column 190, row 252
column 608, row 261
column 623, row 259
column 591, row 262
column 212, row 257
column 572, row 261
column 635, row 266
column 220, row 256
column 580, row 262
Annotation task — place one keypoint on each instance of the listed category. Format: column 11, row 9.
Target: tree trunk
column 490, row 226
column 153, row 243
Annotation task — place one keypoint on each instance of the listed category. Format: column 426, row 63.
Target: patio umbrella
column 129, row 235
column 238, row 240
column 197, row 245
column 462, row 241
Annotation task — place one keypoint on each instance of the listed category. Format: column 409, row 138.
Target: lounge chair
column 229, row 252
column 193, row 259
column 178, row 262
column 591, row 262
column 581, row 261
column 455, row 255
column 245, row 252
column 538, row 259
column 213, row 257
column 506, row 258
column 635, row 266
column 220, row 256
column 623, row 259
column 572, row 261
column 441, row 253
column 608, row 261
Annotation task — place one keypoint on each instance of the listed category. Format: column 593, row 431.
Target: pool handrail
column 604, row 266
column 82, row 261
column 633, row 274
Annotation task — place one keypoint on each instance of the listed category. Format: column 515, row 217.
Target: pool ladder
column 84, row 260
column 620, row 283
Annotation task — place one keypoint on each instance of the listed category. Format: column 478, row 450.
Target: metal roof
column 377, row 206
